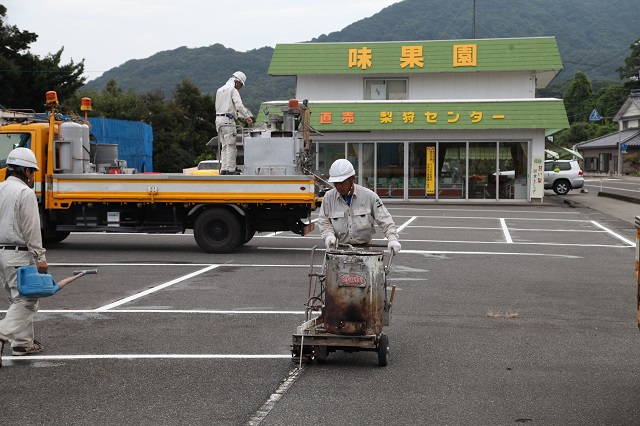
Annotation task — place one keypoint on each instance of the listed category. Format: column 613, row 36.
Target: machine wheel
column 561, row 187
column 383, row 350
column 217, row 231
column 321, row 353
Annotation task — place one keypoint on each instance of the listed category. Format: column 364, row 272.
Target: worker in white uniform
column 229, row 107
column 349, row 211
column 20, row 245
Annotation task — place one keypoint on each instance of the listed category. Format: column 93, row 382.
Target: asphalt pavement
column 625, row 207
column 503, row 314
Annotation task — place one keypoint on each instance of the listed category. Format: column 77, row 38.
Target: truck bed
column 178, row 187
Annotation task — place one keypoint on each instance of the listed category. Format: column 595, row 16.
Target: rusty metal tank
column 354, row 292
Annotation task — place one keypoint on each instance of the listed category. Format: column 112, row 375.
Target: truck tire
column 247, row 238
column 217, row 231
column 248, row 234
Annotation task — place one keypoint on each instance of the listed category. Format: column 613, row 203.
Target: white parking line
column 146, row 356
column 406, row 240
column 263, row 411
column 505, row 231
column 618, row 236
column 422, row 208
column 166, row 311
column 154, row 289
column 614, row 188
column 404, row 225
column 491, row 253
column 253, row 265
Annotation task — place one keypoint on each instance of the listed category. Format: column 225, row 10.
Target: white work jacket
column 19, row 217
column 355, row 224
column 228, row 101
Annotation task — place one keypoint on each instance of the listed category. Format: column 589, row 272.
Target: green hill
column 593, row 37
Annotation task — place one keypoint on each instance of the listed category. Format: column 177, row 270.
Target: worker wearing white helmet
column 20, row 245
column 229, row 107
column 349, row 211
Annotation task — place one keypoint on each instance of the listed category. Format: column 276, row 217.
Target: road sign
column 595, row 116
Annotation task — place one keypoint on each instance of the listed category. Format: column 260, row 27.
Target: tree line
column 184, row 123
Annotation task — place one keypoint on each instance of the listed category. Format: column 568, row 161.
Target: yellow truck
column 81, row 189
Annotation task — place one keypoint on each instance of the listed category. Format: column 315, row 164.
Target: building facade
column 430, row 120
column 602, row 155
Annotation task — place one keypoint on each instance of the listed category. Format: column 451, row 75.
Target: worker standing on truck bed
column 20, row 245
column 348, row 211
column 228, row 106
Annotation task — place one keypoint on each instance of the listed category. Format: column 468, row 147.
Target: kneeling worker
column 348, row 211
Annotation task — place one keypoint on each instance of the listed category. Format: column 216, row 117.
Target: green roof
column 536, row 54
column 428, row 115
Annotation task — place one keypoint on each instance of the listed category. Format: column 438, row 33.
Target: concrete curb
column 619, row 197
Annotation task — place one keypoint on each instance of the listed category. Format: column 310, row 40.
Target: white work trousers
column 17, row 324
column 227, row 136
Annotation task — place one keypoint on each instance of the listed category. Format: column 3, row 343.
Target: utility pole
column 474, row 19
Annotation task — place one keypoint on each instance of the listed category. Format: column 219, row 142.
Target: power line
column 605, row 62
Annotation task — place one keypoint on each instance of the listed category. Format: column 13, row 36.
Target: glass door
column 390, row 169
column 422, row 170
column 451, row 169
column 481, row 180
column 513, row 170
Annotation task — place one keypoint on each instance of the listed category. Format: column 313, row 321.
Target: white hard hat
column 23, row 157
column 341, row 170
column 239, row 75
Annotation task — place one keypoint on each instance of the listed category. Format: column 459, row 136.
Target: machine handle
column 85, row 272
column 388, row 267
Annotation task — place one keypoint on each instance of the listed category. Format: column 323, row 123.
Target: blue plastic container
column 35, row 285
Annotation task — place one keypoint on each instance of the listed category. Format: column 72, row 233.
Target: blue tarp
column 134, row 140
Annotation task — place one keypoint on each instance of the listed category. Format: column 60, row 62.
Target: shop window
column 327, row 154
column 512, row 174
column 422, row 170
column 451, row 170
column 390, row 168
column 385, row 89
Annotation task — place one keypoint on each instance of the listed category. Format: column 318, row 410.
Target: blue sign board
column 595, row 116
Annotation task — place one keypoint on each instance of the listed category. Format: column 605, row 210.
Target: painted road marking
column 618, row 236
column 154, row 289
column 263, row 411
column 505, row 231
column 404, row 225
column 167, row 311
column 145, row 356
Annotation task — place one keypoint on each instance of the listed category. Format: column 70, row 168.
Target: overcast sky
column 107, row 33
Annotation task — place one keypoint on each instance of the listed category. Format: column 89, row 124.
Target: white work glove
column 394, row 246
column 330, row 241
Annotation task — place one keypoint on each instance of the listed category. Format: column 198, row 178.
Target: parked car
column 208, row 167
column 562, row 176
